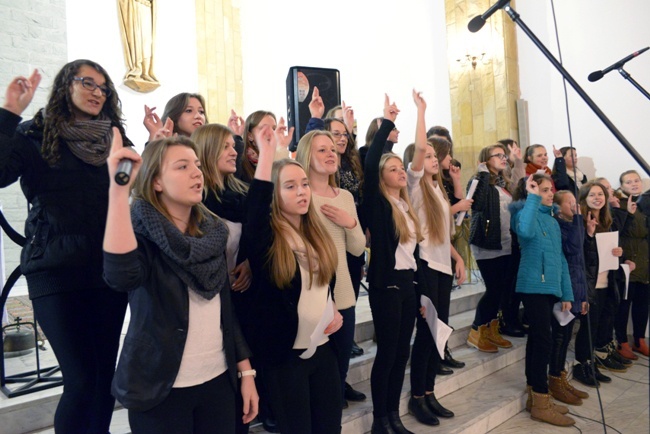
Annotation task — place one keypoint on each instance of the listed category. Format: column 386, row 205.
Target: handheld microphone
column 597, row 75
column 478, row 21
column 123, row 174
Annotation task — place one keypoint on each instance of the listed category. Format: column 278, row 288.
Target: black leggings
column 638, row 298
column 497, row 274
column 559, row 346
column 83, row 328
column 539, row 312
column 202, row 409
column 424, row 355
column 393, row 313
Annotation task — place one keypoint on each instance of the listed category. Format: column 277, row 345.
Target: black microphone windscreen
column 476, row 24
column 595, row 76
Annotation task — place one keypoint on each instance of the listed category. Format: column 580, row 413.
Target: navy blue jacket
column 572, row 245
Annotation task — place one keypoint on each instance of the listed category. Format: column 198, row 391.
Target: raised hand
column 390, row 110
column 316, row 106
column 20, row 92
column 119, row 152
column 515, row 153
column 614, row 202
column 151, row 121
column 283, row 137
column 591, row 224
column 557, row 153
column 454, row 173
column 531, row 185
column 348, row 116
column 167, row 130
column 420, row 103
column 631, row 205
column 236, row 123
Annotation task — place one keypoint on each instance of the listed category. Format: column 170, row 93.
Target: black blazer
column 153, row 346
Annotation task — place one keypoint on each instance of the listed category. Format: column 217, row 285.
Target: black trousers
column 424, row 354
column 393, row 313
column 539, row 312
column 306, row 394
column 637, row 298
column 497, row 274
column 601, row 319
column 83, row 328
column 207, row 408
column 559, row 346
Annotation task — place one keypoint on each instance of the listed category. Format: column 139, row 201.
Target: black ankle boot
column 396, row 423
column 418, row 408
column 584, row 373
column 450, row 361
column 437, row 408
column 380, row 425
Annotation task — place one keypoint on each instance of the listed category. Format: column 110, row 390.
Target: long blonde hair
column 402, row 231
column 281, row 257
column 143, row 187
column 303, row 152
column 210, row 141
column 434, row 211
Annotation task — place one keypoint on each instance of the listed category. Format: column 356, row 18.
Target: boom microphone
column 478, row 21
column 597, row 75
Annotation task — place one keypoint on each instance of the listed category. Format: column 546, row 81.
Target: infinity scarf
column 200, row 262
column 90, row 140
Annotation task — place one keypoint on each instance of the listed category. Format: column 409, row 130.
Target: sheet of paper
column 563, row 318
column 626, row 270
column 439, row 330
column 319, row 332
column 470, row 194
column 606, row 242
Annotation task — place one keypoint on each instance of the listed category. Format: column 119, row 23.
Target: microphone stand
column 627, row 145
column 626, row 75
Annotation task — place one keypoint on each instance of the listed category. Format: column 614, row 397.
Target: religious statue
column 138, row 26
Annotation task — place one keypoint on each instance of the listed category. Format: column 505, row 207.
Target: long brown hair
column 210, row 142
column 435, row 213
column 604, row 216
column 281, row 257
column 484, row 157
column 60, row 109
column 177, row 105
column 252, row 121
column 351, row 154
column 402, row 231
column 143, row 187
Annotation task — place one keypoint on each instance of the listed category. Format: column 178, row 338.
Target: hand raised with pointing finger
column 20, row 92
column 390, row 110
column 316, row 106
column 119, row 152
column 531, row 185
column 236, row 123
column 557, row 153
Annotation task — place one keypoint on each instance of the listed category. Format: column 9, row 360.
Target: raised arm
column 371, row 169
column 420, row 133
column 20, row 92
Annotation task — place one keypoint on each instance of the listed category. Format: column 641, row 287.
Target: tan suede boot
column 562, row 409
column 478, row 340
column 495, row 337
column 558, row 391
column 576, row 392
column 543, row 411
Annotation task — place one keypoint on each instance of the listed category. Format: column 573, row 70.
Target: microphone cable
column 575, row 192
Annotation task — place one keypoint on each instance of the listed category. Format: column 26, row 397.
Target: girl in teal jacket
column 542, row 280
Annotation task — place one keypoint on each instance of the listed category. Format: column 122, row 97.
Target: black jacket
column 153, row 346
column 69, row 202
column 485, row 228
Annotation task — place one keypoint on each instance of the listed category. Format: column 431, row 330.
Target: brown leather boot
column 543, row 411
column 478, row 340
column 558, row 391
column 562, row 409
column 495, row 337
column 576, row 392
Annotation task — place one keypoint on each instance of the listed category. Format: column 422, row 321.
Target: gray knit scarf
column 199, row 261
column 90, row 140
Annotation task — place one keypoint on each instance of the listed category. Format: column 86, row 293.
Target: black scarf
column 199, row 261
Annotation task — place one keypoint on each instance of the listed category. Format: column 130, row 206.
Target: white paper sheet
column 626, row 270
column 470, row 194
column 563, row 318
column 606, row 242
column 439, row 330
column 319, row 332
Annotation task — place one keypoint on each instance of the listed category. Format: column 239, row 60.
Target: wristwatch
column 249, row 373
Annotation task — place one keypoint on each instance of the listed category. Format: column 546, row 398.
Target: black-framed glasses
column 89, row 84
column 499, row 156
column 338, row 135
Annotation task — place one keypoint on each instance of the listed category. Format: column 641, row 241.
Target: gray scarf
column 90, row 140
column 199, row 261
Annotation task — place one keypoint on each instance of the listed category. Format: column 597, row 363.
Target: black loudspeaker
column 300, row 85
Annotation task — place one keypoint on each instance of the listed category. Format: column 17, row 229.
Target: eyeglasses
column 338, row 135
column 89, row 84
column 500, row 156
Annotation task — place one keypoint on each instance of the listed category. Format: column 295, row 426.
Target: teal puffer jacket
column 543, row 268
